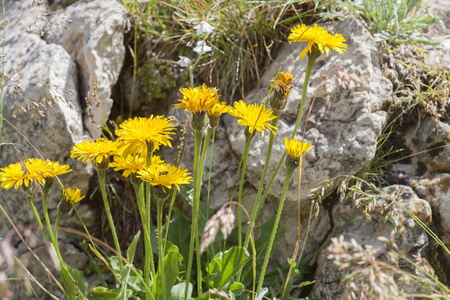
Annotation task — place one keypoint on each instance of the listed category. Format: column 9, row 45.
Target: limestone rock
column 436, row 190
column 41, row 75
column 49, row 73
column 95, row 43
column 366, row 232
column 430, row 139
column 343, row 135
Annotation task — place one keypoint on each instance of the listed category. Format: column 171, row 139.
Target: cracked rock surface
column 56, row 71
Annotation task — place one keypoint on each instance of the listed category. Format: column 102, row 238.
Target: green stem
column 259, row 201
column 195, row 210
column 289, row 173
column 36, row 216
column 209, row 173
column 161, row 269
column 58, row 219
column 101, row 179
column 241, row 187
column 148, row 252
column 49, row 225
column 198, row 189
column 64, row 272
column 311, row 60
column 148, row 220
column 309, row 66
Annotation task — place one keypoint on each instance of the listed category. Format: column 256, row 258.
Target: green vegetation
column 389, row 21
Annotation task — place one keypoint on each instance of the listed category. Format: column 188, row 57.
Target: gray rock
column 344, row 135
column 366, row 232
column 436, row 190
column 73, row 258
column 49, row 76
column 95, row 43
column 430, row 140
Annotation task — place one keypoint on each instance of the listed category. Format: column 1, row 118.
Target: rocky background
column 57, row 71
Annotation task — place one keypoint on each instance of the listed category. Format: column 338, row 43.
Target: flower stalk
column 195, row 210
column 101, row 179
column 259, row 200
column 248, row 138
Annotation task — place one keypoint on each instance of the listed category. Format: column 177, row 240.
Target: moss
column 157, row 80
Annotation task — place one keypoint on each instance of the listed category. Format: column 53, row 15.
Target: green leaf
column 77, row 275
column 305, row 283
column 102, row 293
column 114, row 262
column 169, row 247
column 132, row 248
column 126, row 271
column 179, row 235
column 237, row 288
column 178, row 291
column 225, row 266
column 135, row 282
column 170, row 275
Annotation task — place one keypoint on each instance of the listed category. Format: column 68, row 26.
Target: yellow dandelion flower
column 218, row 109
column 254, row 116
column 317, row 37
column 282, row 84
column 215, row 112
column 48, row 168
column 32, row 169
column 72, row 196
column 97, row 151
column 198, row 99
column 132, row 163
column 135, row 134
column 165, row 175
column 17, row 175
column 295, row 148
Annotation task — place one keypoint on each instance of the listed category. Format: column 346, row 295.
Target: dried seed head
column 216, row 292
column 209, row 233
column 226, row 218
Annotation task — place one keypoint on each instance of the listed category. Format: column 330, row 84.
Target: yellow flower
column 199, row 99
column 97, row 151
column 132, row 163
column 317, row 37
column 136, row 133
column 16, row 175
column 215, row 112
column 47, row 168
column 254, row 116
column 72, row 196
column 165, row 175
column 282, row 84
column 218, row 109
column 31, row 170
column 295, row 148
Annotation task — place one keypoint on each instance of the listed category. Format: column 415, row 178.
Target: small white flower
column 184, row 61
column 204, row 27
column 202, row 48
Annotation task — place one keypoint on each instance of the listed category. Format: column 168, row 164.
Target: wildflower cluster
column 133, row 153
column 32, row 170
column 137, row 139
